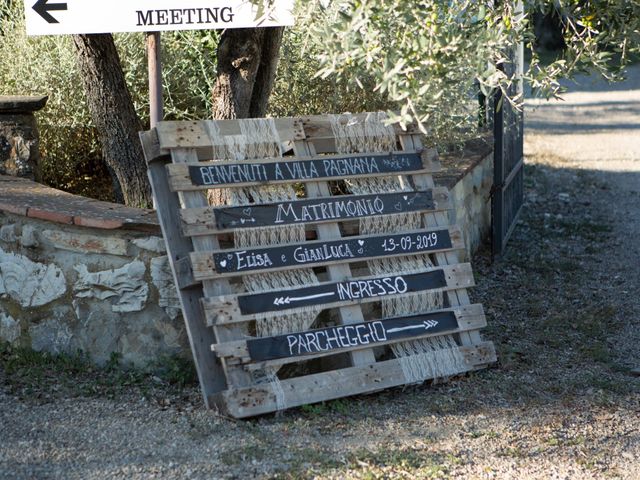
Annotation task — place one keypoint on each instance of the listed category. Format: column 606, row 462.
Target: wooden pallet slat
column 240, row 308
column 213, row 220
column 322, row 387
column 233, row 262
column 316, row 343
column 195, row 135
column 221, row 317
column 207, row 175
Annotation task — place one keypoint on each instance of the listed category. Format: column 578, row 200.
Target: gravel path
column 562, row 402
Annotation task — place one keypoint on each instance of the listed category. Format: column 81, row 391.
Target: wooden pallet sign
column 327, row 301
column 319, row 252
column 270, row 171
column 203, row 221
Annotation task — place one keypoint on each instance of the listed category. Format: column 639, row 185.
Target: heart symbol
column 242, row 220
column 406, row 198
column 223, row 264
column 361, row 242
column 247, row 212
column 398, row 207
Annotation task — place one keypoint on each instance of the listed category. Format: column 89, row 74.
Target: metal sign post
column 156, row 103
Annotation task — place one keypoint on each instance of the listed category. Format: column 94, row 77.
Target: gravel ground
column 562, row 402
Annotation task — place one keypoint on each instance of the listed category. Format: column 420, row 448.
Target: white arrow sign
column 288, row 300
column 63, row 17
column 425, row 325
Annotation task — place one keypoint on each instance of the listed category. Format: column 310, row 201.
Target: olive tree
column 430, row 58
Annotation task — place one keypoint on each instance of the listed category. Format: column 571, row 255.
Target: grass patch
column 46, row 376
column 388, row 463
column 340, row 406
column 245, row 454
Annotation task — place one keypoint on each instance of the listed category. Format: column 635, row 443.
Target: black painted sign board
column 342, row 207
column 305, row 170
column 349, row 336
column 351, row 291
column 340, row 250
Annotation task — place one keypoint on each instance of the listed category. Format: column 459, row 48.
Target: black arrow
column 43, row 8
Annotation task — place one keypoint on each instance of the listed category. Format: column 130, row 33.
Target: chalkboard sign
column 344, row 207
column 353, row 290
column 349, row 336
column 215, row 175
column 311, row 253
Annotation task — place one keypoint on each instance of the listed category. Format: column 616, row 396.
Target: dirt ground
column 562, row 402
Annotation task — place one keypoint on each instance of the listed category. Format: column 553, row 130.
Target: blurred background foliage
column 70, row 150
column 433, row 57
column 425, row 60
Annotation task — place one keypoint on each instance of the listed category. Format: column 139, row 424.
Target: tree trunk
column 247, row 62
column 114, row 116
column 266, row 76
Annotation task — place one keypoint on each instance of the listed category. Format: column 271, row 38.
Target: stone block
column 125, row 287
column 52, row 335
column 18, row 145
column 9, row 328
column 29, row 283
column 29, row 238
column 8, row 233
column 151, row 244
column 50, row 215
column 95, row 222
column 98, row 330
column 82, row 243
column 19, row 135
column 163, row 280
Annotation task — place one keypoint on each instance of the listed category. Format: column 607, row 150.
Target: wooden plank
column 208, row 220
column 320, row 387
column 318, row 127
column 184, row 273
column 206, row 265
column 207, row 175
column 208, row 367
column 347, row 314
column 283, row 349
column 194, row 134
column 472, row 323
column 235, row 377
column 226, row 309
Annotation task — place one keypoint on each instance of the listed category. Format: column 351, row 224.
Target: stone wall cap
column 22, row 104
column 24, row 197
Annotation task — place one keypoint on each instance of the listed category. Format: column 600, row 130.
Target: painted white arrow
column 288, row 300
column 425, row 325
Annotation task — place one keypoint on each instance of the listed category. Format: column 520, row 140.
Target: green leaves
column 432, row 58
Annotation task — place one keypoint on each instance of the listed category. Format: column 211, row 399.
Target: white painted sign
column 63, row 17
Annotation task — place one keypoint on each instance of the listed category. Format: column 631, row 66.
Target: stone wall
column 79, row 274
column 94, row 279
column 472, row 204
column 469, row 177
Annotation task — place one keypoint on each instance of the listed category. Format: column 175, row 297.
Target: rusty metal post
column 155, row 78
